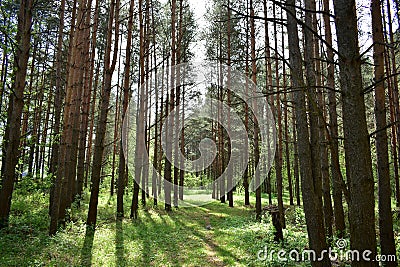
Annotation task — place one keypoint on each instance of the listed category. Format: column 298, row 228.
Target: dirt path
column 212, row 257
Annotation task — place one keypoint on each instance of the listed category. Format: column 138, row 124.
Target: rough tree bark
column 104, row 107
column 65, row 180
column 356, row 139
column 394, row 95
column 86, row 103
column 13, row 128
column 386, row 235
column 312, row 206
column 333, row 127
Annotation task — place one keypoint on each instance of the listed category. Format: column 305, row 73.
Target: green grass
column 157, row 238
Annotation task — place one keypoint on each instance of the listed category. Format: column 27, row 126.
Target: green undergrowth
column 211, row 235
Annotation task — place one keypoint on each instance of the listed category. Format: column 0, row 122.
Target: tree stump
column 274, row 211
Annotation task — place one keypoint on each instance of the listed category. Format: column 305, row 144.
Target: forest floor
column 211, row 235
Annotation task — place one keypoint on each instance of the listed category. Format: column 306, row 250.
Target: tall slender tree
column 16, row 104
column 109, row 65
column 386, row 235
column 169, row 150
column 312, row 205
column 356, row 139
column 140, row 132
column 256, row 127
column 86, row 103
column 122, row 168
column 333, row 128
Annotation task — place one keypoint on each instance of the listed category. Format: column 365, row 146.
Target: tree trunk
column 386, row 235
column 86, row 102
column 168, row 163
column 333, row 127
column 296, row 161
column 322, row 130
column 356, row 139
column 394, row 95
column 326, row 185
column 125, row 102
column 246, row 115
column 26, row 116
column 16, row 103
column 182, row 146
column 66, row 173
column 177, row 105
column 287, row 151
column 140, row 123
column 312, row 206
column 279, row 145
column 256, row 127
column 116, row 124
column 104, row 106
column 220, row 94
column 147, row 103
column 269, row 89
column 229, row 171
column 58, row 99
column 91, row 125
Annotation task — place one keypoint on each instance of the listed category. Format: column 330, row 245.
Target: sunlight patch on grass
column 210, row 235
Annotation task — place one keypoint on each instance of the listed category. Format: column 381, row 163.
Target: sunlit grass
column 210, row 235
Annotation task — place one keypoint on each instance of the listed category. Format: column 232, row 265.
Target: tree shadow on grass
column 86, row 251
column 119, row 244
column 208, row 241
column 158, row 232
column 146, row 249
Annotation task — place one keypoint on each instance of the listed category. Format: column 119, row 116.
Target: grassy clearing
column 157, row 238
